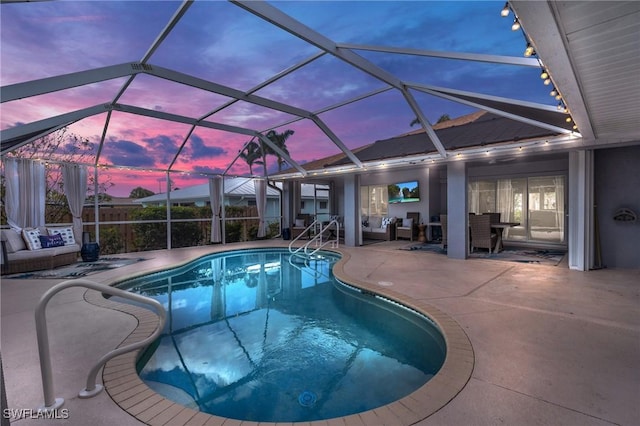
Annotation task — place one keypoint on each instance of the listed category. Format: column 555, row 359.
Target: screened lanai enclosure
column 105, row 102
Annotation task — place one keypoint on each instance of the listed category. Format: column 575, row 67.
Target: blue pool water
column 257, row 335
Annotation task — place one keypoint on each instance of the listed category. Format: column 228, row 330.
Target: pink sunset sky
column 220, row 42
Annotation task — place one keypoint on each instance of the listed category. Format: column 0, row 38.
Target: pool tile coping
column 124, row 386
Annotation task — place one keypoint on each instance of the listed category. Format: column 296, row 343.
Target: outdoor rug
column 539, row 256
column 77, row 270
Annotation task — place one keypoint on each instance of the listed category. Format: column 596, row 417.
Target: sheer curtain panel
column 75, row 189
column 26, row 192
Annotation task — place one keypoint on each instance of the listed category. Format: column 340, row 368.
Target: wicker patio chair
column 495, row 217
column 481, row 235
column 408, row 231
column 301, row 223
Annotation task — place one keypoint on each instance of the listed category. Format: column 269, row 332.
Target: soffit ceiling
column 592, row 49
column 589, row 48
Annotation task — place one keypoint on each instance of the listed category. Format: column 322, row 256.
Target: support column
column 580, row 210
column 457, row 227
column 352, row 234
column 288, row 212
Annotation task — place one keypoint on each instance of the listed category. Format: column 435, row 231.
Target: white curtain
column 261, row 203
column 26, row 193
column 504, row 202
column 559, row 183
column 215, row 192
column 75, row 189
column 474, row 197
column 12, row 195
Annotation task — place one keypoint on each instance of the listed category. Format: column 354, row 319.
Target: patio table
column 499, row 227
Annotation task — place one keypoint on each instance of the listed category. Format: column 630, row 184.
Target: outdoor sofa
column 379, row 228
column 21, row 252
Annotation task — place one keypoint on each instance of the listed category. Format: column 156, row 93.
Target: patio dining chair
column 301, row 223
column 408, row 227
column 481, row 235
column 495, row 217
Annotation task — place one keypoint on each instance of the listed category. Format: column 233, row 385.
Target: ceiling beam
column 451, row 96
column 42, row 86
column 52, row 122
column 477, row 57
column 210, row 86
column 167, row 29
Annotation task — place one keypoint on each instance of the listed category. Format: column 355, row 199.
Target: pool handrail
column 52, row 403
column 335, row 242
column 318, row 238
column 303, row 233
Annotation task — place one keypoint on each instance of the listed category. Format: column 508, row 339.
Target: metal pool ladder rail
column 318, row 240
column 50, row 401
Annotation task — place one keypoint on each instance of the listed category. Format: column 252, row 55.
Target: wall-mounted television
column 404, row 192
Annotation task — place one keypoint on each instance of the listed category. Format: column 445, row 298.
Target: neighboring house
column 240, row 191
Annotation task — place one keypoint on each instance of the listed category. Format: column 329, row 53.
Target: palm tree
column 279, row 140
column 251, row 154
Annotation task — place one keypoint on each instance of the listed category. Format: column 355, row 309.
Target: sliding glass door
column 536, row 203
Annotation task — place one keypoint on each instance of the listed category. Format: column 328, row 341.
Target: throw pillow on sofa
column 48, row 241
column 66, row 233
column 31, row 238
column 14, row 240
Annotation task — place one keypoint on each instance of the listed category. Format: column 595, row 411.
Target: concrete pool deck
column 551, row 346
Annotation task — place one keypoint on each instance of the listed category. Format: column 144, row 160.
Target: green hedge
column 153, row 236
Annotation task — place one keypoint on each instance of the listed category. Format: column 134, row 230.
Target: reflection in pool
column 260, row 335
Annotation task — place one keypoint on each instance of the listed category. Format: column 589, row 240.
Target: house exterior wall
column 617, row 185
column 388, row 177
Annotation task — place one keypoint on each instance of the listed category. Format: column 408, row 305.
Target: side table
column 421, row 236
column 90, row 252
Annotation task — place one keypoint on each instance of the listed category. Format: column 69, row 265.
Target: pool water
column 262, row 336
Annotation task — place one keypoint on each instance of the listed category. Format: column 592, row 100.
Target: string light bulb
column 547, row 81
column 553, row 92
column 516, row 25
column 558, row 97
column 544, row 74
column 505, row 10
column 568, row 119
column 529, row 50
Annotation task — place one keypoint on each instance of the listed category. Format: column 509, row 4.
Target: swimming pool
column 256, row 335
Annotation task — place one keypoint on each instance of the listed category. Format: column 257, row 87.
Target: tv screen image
column 404, row 192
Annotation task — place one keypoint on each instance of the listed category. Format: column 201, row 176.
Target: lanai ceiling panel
column 608, row 80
